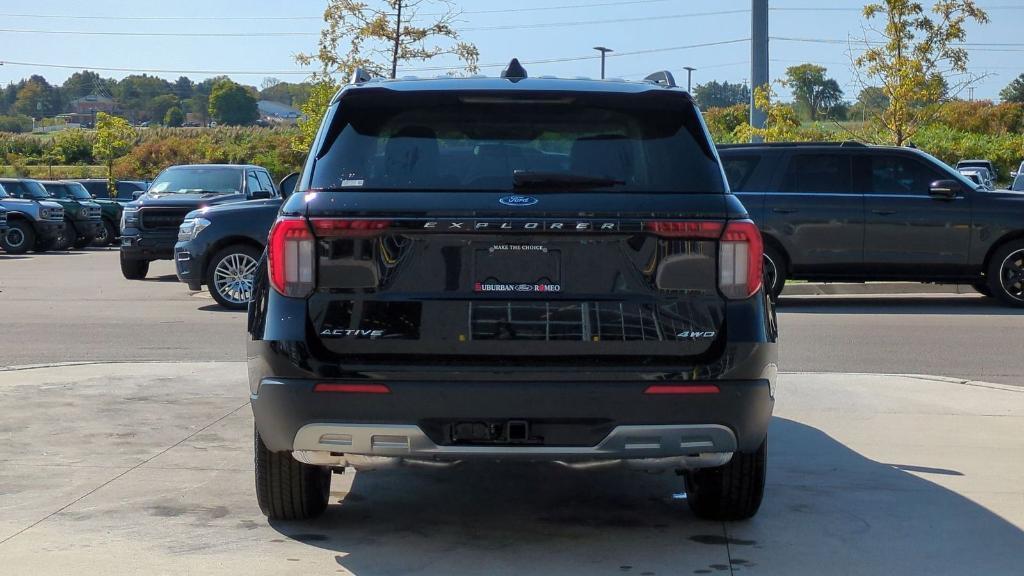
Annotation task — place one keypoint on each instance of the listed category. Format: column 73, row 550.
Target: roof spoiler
column 662, row 77
column 360, row 75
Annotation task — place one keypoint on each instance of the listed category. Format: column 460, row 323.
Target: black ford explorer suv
column 149, row 225
column 512, row 268
column 850, row 212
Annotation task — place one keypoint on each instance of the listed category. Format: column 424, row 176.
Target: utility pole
column 758, row 58
column 603, row 51
column 398, row 37
column 689, row 77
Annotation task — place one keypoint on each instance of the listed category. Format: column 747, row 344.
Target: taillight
column 346, row 228
column 740, row 254
column 291, row 255
column 685, row 229
column 352, row 388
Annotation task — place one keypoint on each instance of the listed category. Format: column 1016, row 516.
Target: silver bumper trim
column 328, row 444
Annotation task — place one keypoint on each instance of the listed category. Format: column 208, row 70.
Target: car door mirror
column 287, row 184
column 261, row 194
column 137, row 194
column 944, row 189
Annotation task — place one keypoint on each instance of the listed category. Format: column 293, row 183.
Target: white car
column 979, row 176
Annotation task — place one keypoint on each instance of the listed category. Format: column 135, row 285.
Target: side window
column 254, row 182
column 821, row 173
column 265, row 181
column 901, row 175
column 738, row 170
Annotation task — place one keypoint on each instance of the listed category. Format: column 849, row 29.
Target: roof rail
column 360, row 75
column 843, row 144
column 663, row 77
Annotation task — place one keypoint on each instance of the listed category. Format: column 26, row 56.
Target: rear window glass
column 387, row 140
column 821, row 173
column 738, row 170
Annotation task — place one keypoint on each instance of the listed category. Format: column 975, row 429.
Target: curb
column 837, row 288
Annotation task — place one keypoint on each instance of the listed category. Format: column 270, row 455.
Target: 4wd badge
column 693, row 335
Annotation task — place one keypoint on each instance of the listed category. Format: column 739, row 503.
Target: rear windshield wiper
column 529, row 179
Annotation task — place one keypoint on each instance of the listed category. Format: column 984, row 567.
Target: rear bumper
column 575, row 419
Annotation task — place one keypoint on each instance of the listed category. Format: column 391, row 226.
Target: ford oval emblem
column 518, row 201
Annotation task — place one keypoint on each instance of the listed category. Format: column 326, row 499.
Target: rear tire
column 82, row 242
column 774, row 271
column 1006, row 273
column 287, row 489
column 19, row 237
column 133, row 269
column 730, row 492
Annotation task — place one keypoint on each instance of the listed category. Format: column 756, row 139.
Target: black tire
column 107, row 236
column 982, row 288
column 133, row 269
column 775, row 265
column 730, row 492
column 20, row 237
column 287, row 489
column 82, row 242
column 1006, row 273
column 236, row 254
column 67, row 237
column 47, row 245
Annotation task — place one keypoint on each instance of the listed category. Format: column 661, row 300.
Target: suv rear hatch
column 467, row 227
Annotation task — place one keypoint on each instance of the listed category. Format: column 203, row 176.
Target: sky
column 666, row 33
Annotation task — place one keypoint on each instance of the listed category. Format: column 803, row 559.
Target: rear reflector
column 683, row 389
column 352, row 388
column 686, row 229
column 740, row 260
column 290, row 257
column 347, row 228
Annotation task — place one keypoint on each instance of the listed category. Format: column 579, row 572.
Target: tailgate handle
column 884, row 212
column 784, row 210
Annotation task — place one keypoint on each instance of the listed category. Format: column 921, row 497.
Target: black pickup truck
column 149, row 225
column 851, row 212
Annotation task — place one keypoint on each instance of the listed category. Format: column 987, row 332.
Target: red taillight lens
column 740, row 260
column 686, row 229
column 682, row 389
column 352, row 388
column 291, row 255
column 345, row 228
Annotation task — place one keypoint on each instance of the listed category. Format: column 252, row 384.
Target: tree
column 72, row 147
column 720, row 94
column 157, row 107
column 183, row 88
column 84, row 83
column 269, row 82
column 381, row 36
column 36, row 98
column 135, row 92
column 915, row 51
column 781, row 123
column 233, row 104
column 114, row 138
column 174, row 117
column 313, row 111
column 287, row 93
column 198, row 104
column 812, row 89
column 1014, row 91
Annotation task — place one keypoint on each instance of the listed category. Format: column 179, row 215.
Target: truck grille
column 162, row 218
column 92, row 213
column 3, row 216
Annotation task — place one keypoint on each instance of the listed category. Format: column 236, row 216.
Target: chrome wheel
column 233, row 277
column 1011, row 275
column 15, row 238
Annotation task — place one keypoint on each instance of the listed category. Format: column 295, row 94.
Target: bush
column 73, row 146
column 15, row 124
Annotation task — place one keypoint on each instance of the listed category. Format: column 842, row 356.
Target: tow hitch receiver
column 512, row 432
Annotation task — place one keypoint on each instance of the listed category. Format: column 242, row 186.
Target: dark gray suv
column 851, row 212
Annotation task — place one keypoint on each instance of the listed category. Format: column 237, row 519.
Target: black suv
column 851, row 212
column 512, row 268
column 149, row 225
column 127, row 190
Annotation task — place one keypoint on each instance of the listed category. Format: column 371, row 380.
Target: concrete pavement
column 146, row 469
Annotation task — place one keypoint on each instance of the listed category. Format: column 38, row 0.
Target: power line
column 318, row 18
column 420, row 69
column 607, row 21
column 252, row 34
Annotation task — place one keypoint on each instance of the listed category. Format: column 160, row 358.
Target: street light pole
column 689, row 77
column 603, row 51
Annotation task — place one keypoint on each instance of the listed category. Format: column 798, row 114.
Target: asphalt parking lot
column 139, row 460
